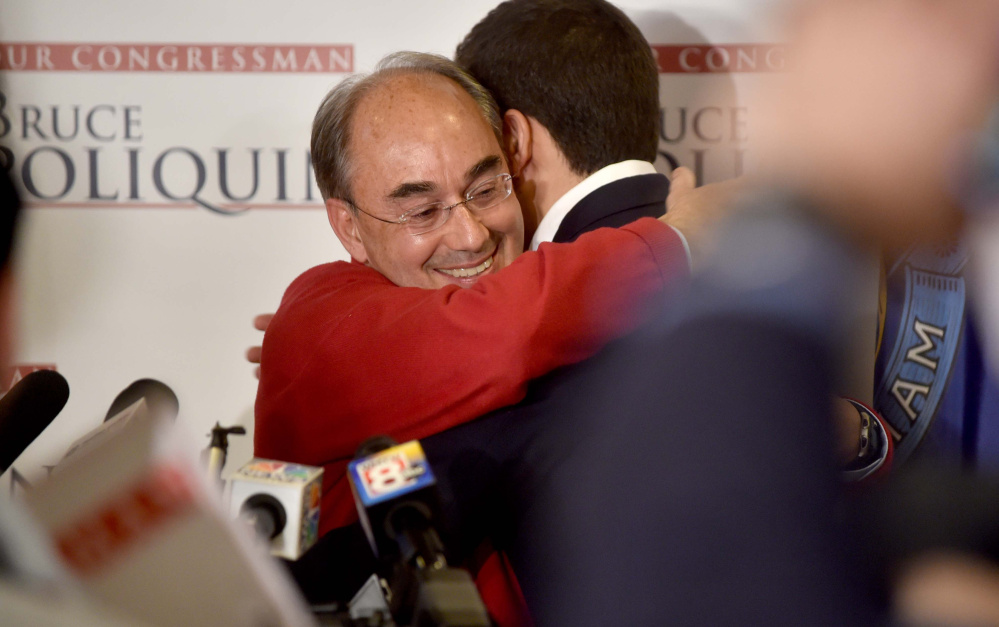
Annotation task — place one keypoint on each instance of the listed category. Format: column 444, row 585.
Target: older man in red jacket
column 419, row 192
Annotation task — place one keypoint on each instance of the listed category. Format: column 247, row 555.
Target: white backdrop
column 119, row 281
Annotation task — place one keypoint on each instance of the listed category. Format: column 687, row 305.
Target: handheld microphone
column 146, row 399
column 27, row 409
column 396, row 496
column 281, row 501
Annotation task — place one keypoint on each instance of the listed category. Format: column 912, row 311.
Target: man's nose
column 464, row 230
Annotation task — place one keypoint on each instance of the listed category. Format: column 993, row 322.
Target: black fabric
column 333, row 570
column 616, row 204
column 693, row 484
column 658, row 484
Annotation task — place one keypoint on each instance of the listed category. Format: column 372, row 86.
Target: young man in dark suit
column 579, row 91
column 578, row 88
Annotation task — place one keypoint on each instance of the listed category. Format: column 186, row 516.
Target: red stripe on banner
column 719, row 59
column 175, row 57
column 119, row 523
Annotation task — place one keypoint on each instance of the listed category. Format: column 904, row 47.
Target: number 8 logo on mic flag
column 391, row 472
column 387, row 475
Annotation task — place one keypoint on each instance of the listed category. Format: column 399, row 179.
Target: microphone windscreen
column 384, row 481
column 374, row 444
column 159, row 398
column 283, row 495
column 30, row 406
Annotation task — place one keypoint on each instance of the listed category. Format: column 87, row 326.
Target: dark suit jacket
column 616, row 204
column 691, row 483
column 485, row 468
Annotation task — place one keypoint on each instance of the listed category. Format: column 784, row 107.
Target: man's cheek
column 511, row 227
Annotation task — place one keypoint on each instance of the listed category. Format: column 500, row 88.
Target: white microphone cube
column 296, row 487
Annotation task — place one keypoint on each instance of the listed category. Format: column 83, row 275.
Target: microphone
column 281, row 501
column 134, row 519
column 396, row 496
column 141, row 400
column 27, row 409
column 159, row 397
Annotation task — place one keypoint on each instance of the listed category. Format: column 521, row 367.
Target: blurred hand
column 947, row 588
column 253, row 353
column 846, row 424
column 694, row 211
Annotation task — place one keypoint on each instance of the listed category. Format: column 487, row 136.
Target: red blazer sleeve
column 349, row 354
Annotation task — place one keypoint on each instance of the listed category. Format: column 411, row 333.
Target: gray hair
column 331, row 128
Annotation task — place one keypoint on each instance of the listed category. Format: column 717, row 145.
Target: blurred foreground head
column 879, row 110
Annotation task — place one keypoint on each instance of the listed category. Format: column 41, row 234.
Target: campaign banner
column 162, row 151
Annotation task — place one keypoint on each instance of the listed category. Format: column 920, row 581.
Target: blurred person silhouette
column 680, row 498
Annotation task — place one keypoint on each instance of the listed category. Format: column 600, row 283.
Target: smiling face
column 419, row 139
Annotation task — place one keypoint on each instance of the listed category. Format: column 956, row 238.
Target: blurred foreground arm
column 864, row 144
column 696, row 211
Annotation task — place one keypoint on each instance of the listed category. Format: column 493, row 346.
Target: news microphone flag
column 390, row 473
column 295, row 490
column 396, row 496
column 381, row 480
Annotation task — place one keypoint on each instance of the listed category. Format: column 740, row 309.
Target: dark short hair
column 331, row 128
column 579, row 67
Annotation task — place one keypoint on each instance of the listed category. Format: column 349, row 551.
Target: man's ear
column 517, row 140
column 344, row 223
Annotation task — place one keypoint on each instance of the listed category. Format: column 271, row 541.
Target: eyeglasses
column 425, row 218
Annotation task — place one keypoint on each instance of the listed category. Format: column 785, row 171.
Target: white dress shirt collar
column 614, row 172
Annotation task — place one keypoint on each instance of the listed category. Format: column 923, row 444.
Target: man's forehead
column 409, row 95
column 409, row 122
